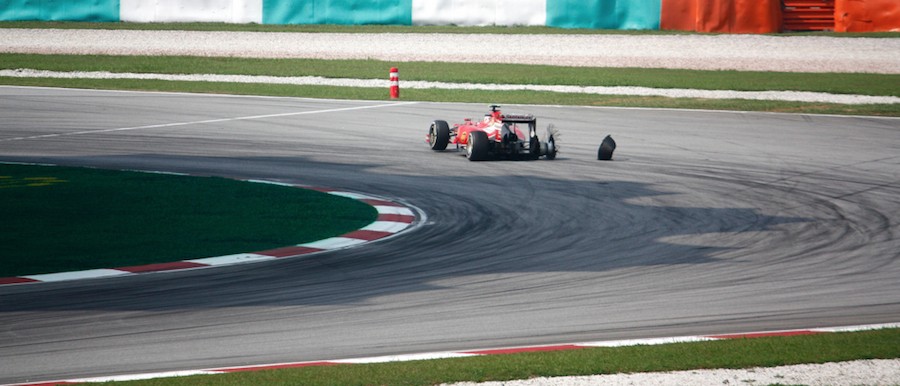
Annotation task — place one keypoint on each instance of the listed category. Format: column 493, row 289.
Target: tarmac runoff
column 788, row 96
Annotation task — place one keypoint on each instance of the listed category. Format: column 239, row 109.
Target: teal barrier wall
column 604, row 14
column 337, row 12
column 60, row 10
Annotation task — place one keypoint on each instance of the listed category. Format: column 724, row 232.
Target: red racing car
column 498, row 135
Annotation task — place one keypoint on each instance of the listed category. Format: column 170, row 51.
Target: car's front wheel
column 438, row 135
column 478, row 147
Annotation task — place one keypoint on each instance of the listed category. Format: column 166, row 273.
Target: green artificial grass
column 59, row 219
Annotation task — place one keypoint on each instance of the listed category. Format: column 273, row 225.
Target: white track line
column 206, row 121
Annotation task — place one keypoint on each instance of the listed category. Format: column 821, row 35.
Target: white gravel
column 855, row 373
column 704, row 52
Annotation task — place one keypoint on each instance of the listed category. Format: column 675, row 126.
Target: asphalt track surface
column 704, row 223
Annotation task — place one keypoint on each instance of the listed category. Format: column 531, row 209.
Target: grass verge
column 486, row 97
column 866, row 84
column 837, row 83
column 60, row 219
column 731, row 354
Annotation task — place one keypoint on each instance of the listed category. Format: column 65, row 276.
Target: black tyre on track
column 534, row 146
column 551, row 147
column 438, row 135
column 605, row 152
column 478, row 147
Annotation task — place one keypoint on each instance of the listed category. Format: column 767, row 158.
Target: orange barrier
column 678, row 15
column 866, row 15
column 725, row 16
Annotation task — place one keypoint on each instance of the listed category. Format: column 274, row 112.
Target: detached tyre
column 438, row 135
column 605, row 152
column 478, row 147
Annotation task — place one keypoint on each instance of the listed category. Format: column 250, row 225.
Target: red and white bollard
column 395, row 83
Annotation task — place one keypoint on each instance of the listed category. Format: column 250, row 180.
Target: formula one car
column 498, row 135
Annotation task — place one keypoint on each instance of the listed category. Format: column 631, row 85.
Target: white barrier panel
column 479, row 12
column 225, row 11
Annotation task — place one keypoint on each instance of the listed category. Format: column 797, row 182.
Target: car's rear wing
column 517, row 118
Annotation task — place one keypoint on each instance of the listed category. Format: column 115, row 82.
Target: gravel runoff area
column 689, row 51
column 868, row 372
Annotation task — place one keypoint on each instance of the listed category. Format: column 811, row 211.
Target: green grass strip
column 730, row 354
column 484, row 97
column 59, row 219
column 450, row 29
column 837, row 83
column 866, row 84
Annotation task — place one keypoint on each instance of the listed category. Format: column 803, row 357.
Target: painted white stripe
column 157, row 172
column 231, row 259
column 220, row 120
column 384, row 209
column 272, row 183
column 648, row 342
column 479, row 12
column 333, row 243
column 386, row 226
column 404, row 358
column 857, row 328
column 225, row 11
column 355, row 196
column 139, row 377
column 87, row 274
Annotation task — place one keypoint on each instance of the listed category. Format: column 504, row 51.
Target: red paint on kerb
column 161, row 267
column 16, row 280
column 288, row 251
column 367, row 235
column 397, row 218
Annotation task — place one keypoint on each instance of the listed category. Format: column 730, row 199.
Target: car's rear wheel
column 439, row 135
column 478, row 147
column 534, row 148
column 551, row 148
